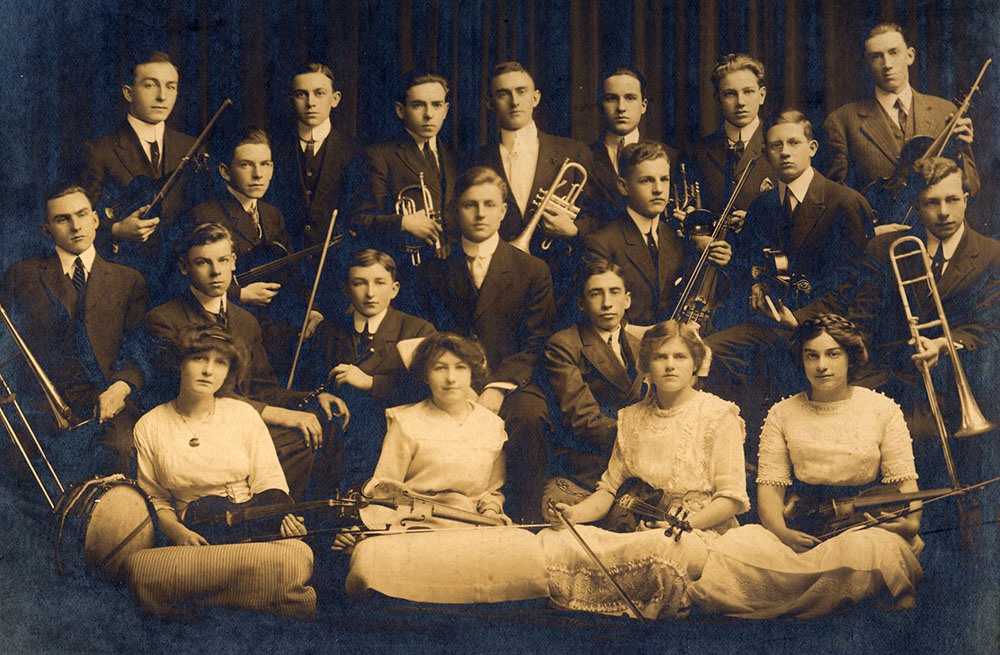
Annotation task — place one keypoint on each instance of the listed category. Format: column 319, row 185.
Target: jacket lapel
column 602, row 358
column 923, row 121
column 546, row 167
column 131, row 154
column 55, row 283
column 875, row 126
column 637, row 250
column 717, row 149
column 963, row 262
column 807, row 213
column 172, row 151
column 754, row 149
column 496, row 283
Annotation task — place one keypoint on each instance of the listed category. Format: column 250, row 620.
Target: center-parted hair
column 416, row 78
column 843, row 331
column 466, row 349
column 929, row 171
column 479, row 175
column 203, row 234
column 663, row 332
column 734, row 62
column 636, row 153
column 620, row 70
column 193, row 340
column 789, row 116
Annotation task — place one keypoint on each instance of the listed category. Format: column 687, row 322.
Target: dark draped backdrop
column 65, row 62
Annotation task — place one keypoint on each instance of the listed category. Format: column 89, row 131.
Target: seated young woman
column 446, row 450
column 200, row 445
column 686, row 442
column 828, row 442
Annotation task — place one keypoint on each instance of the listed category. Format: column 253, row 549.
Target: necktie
column 938, row 262
column 154, row 156
column 255, row 214
column 618, row 152
column 477, row 269
column 617, row 352
column 364, row 341
column 221, row 316
column 788, row 216
column 80, row 276
column 431, row 158
column 310, row 150
column 901, row 113
column 738, row 149
column 654, row 252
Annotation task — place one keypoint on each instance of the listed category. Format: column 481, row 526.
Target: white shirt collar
column 950, row 244
column 613, row 334
column 482, row 250
column 612, row 140
column 245, row 202
column 318, row 134
column 799, row 186
column 210, row 303
column 420, row 141
column 68, row 260
column 735, row 134
column 147, row 132
column 888, row 100
column 645, row 224
column 373, row 322
column 527, row 135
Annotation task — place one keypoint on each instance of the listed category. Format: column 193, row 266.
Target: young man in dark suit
column 865, row 138
column 142, row 147
column 397, row 164
column 490, row 290
column 966, row 267
column 821, row 228
column 651, row 255
column 79, row 314
column 591, row 370
column 259, row 237
column 207, row 259
column 621, row 97
column 313, row 162
column 359, row 353
column 720, row 158
column 528, row 160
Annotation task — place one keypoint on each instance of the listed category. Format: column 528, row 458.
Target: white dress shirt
column 317, row 134
column 888, row 102
column 519, row 154
column 68, row 261
column 147, row 133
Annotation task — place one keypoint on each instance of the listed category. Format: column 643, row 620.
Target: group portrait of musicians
column 630, row 379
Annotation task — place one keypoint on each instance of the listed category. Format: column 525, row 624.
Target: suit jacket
column 307, row 212
column 969, row 290
column 603, row 181
column 861, row 147
column 552, row 151
column 652, row 289
column 708, row 161
column 830, row 229
column 589, row 385
column 511, row 315
column 43, row 307
column 257, row 383
column 388, row 168
column 115, row 160
column 227, row 210
column 335, row 342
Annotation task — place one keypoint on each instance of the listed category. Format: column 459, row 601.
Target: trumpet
column 407, row 204
column 60, row 409
column 546, row 197
column 973, row 421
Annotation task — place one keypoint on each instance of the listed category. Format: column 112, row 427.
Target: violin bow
column 579, row 539
column 906, row 511
column 312, row 298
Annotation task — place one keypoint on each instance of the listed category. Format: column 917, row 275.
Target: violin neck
column 860, row 502
column 258, row 273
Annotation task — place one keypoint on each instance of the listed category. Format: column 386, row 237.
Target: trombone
column 406, row 204
column 545, row 197
column 60, row 409
column 973, row 421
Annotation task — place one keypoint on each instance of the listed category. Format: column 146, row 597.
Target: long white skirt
column 750, row 573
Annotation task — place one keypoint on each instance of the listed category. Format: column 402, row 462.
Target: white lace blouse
column 842, row 443
column 693, row 451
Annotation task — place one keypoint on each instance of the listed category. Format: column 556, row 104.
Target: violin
column 795, row 289
column 385, row 503
column 890, row 196
column 637, row 501
column 267, row 259
column 222, row 521
column 822, row 517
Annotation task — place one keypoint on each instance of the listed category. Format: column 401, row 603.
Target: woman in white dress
column 829, row 441
column 686, row 442
column 200, row 445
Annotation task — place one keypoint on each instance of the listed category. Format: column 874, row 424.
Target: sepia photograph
column 500, row 326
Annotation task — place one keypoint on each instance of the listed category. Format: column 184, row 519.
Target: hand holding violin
column 133, row 228
column 259, row 294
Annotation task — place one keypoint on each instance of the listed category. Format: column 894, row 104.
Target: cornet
column 973, row 421
column 546, row 198
column 406, row 203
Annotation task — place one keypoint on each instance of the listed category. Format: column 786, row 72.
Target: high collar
column 147, row 132
column 484, row 249
column 373, row 321
column 246, row 202
column 799, row 185
column 744, row 133
column 526, row 135
column 644, row 223
column 212, row 304
column 318, row 134
column 68, row 260
column 888, row 100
